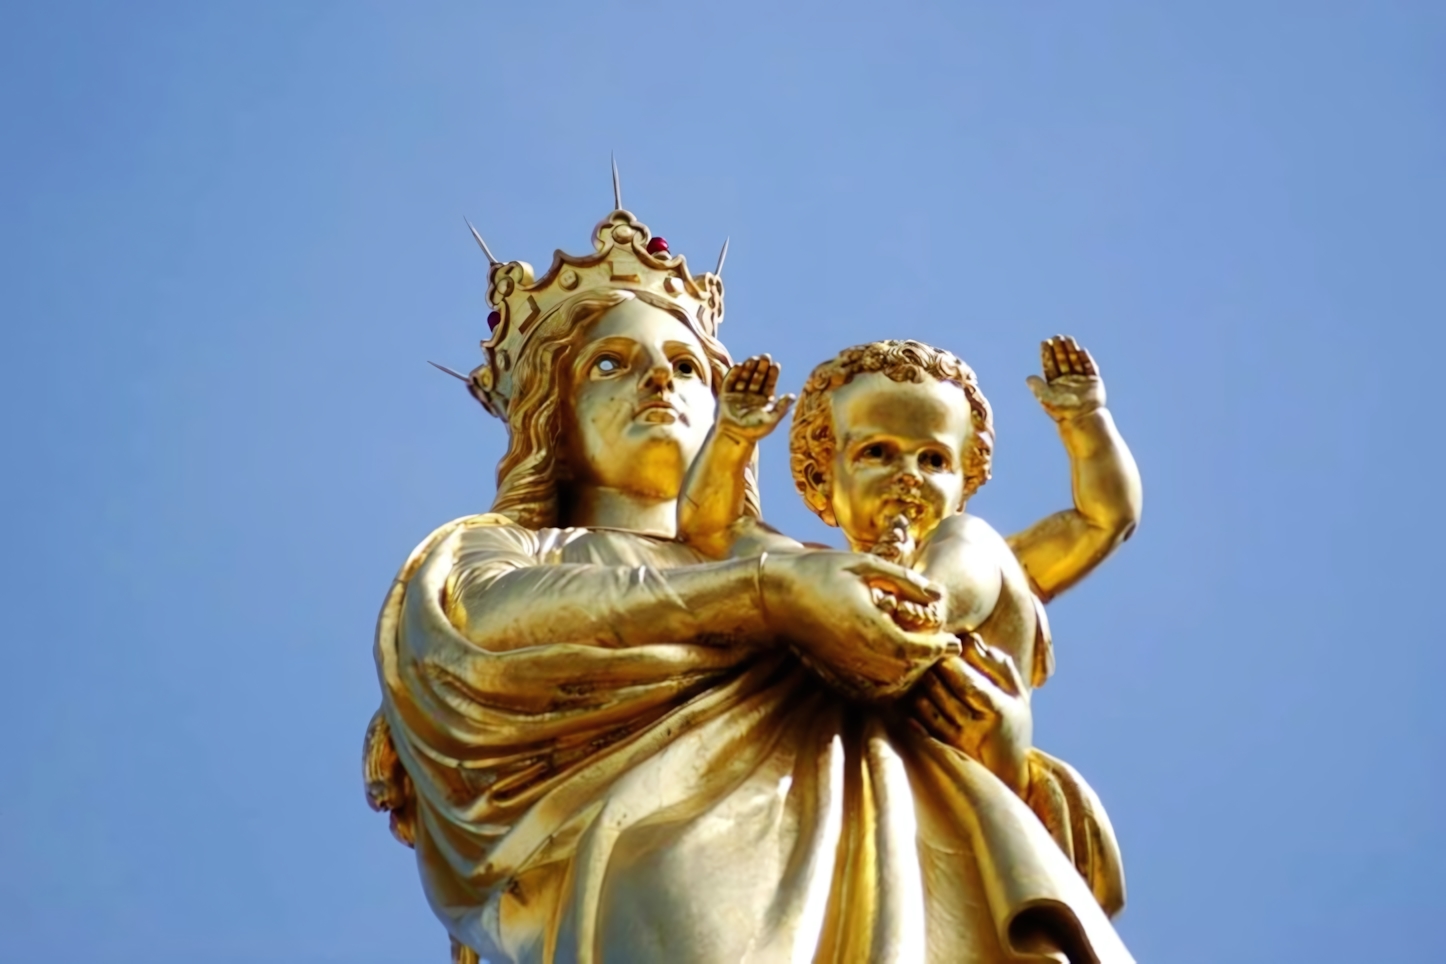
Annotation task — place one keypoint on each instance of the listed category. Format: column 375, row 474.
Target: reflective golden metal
column 624, row 721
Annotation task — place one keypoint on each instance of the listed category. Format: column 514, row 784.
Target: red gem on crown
column 657, row 244
column 493, row 320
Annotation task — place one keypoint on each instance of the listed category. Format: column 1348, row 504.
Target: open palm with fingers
column 747, row 407
column 1071, row 385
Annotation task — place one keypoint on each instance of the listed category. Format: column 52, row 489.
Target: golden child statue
column 889, row 442
column 611, row 744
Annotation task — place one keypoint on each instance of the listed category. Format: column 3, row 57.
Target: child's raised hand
column 1071, row 385
column 747, row 407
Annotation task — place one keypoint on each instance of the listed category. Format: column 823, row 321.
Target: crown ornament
column 625, row 256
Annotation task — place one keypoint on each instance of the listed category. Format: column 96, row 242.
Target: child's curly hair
column 811, row 441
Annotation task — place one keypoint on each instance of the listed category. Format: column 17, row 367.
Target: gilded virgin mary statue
column 609, row 745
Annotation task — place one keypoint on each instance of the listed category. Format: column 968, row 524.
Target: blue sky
column 231, row 235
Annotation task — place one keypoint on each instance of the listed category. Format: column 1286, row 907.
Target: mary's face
column 641, row 401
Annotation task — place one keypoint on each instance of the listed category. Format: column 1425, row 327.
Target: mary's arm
column 504, row 593
column 492, row 650
column 503, row 589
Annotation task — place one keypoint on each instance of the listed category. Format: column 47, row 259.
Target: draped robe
column 592, row 799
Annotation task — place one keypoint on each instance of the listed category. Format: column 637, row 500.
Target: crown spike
column 617, row 186
column 722, row 257
column 444, row 368
column 481, row 243
column 625, row 256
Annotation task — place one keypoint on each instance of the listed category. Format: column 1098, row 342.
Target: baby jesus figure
column 889, row 442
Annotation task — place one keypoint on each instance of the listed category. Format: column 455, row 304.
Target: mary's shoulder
column 487, row 533
column 481, row 538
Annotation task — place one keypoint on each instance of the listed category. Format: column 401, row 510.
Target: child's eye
column 933, row 460
column 875, row 451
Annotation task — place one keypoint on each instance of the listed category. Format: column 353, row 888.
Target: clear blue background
column 232, row 236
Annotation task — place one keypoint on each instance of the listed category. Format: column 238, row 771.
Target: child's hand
column 897, row 544
column 746, row 407
column 1071, row 385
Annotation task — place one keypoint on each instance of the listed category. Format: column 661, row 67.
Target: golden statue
column 623, row 720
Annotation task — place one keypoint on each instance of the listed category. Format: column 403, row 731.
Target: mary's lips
column 660, row 412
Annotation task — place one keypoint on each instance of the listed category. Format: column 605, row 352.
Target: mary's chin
column 658, row 416
column 676, row 431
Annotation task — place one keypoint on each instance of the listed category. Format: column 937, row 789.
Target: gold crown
column 625, row 255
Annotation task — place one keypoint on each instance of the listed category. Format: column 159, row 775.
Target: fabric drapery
column 608, row 797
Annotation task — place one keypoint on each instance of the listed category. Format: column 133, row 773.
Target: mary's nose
column 659, row 378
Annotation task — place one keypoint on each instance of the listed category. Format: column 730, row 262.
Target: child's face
column 900, row 451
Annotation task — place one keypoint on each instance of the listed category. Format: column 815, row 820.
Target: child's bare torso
column 986, row 590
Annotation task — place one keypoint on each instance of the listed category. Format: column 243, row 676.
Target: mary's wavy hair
column 533, row 477
column 811, row 442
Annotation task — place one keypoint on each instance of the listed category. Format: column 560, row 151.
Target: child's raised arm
column 1060, row 550
column 712, row 498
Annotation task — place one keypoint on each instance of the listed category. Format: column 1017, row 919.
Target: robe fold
column 597, row 800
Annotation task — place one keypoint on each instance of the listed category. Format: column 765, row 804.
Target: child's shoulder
column 966, row 528
column 971, row 536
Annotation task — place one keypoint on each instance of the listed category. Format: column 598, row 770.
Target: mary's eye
column 685, row 367
column 607, row 365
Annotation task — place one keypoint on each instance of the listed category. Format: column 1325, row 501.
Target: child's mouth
column 911, row 509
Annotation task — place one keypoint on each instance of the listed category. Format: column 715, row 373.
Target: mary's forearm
column 503, row 607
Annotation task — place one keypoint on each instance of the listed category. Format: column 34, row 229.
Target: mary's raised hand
column 975, row 703
column 1071, row 385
